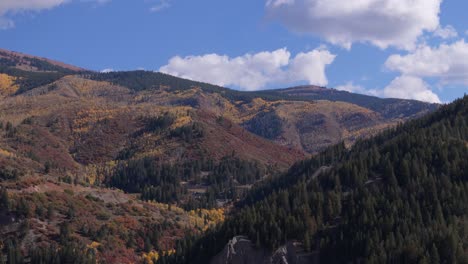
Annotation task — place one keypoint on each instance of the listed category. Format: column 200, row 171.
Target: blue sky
column 390, row 48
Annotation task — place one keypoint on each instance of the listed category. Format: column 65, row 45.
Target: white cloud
column 10, row 8
column 383, row 23
column 107, row 70
column 276, row 3
column 7, row 6
column 410, row 87
column 96, row 3
column 447, row 32
column 311, row 66
column 253, row 71
column 403, row 87
column 448, row 63
column 352, row 88
column 163, row 4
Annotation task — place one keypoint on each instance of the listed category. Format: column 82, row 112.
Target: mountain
column 117, row 167
column 399, row 197
column 307, row 118
column 33, row 63
column 388, row 108
column 20, row 72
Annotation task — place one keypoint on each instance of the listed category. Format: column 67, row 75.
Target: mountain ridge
column 30, row 62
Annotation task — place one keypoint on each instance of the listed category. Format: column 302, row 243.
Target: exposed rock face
column 240, row 250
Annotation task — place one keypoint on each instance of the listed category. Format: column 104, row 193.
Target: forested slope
column 400, row 197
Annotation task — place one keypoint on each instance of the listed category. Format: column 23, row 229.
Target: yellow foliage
column 246, row 111
column 7, row 84
column 151, row 257
column 200, row 218
column 181, row 121
column 94, row 245
column 204, row 218
column 5, row 153
column 169, row 252
column 97, row 172
column 165, row 207
column 87, row 118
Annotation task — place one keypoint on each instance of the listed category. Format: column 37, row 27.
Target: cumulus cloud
column 253, row 71
column 9, row 7
column 12, row 7
column 447, row 62
column 311, row 66
column 107, row 70
column 27, row 5
column 410, row 87
column 352, row 88
column 383, row 23
column 403, row 87
column 447, row 32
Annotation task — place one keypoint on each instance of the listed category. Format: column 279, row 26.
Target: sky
column 413, row 49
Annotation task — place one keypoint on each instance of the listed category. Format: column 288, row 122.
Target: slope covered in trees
column 162, row 182
column 400, row 197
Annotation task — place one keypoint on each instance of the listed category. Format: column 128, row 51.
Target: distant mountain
column 308, row 118
column 33, row 63
column 387, row 107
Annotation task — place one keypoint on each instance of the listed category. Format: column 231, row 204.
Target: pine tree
column 434, row 254
column 4, row 199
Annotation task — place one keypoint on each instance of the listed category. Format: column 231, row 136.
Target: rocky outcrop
column 240, row 250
